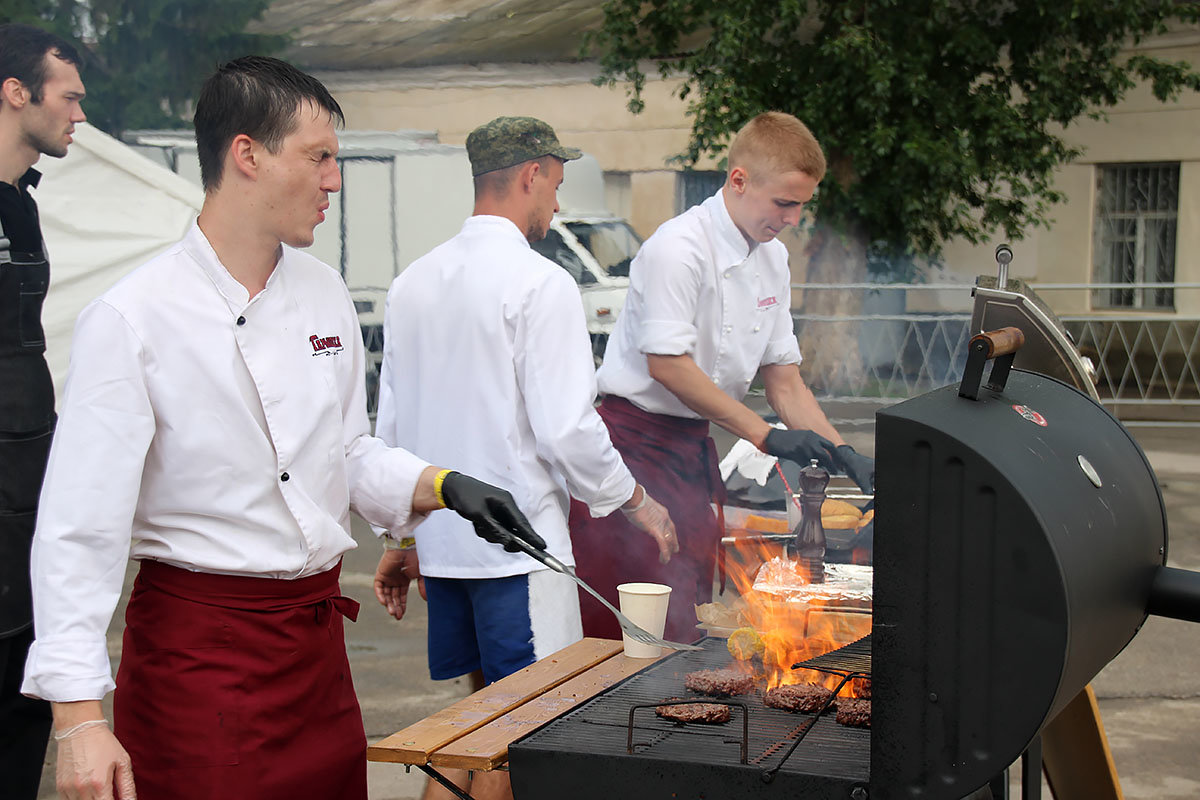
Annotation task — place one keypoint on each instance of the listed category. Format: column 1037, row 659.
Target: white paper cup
column 646, row 605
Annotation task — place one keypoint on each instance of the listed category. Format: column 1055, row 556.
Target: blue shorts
column 499, row 625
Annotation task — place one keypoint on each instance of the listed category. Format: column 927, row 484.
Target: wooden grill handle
column 999, row 342
column 1000, row 345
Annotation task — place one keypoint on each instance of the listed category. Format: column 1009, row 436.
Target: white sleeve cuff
column 64, row 669
column 667, row 338
column 382, row 482
column 782, row 351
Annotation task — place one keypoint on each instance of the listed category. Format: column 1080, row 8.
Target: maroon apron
column 676, row 461
column 238, row 688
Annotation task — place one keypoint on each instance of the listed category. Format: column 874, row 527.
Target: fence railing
column 1144, row 358
column 908, row 339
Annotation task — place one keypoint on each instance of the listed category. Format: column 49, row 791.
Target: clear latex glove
column 396, row 571
column 92, row 764
column 651, row 517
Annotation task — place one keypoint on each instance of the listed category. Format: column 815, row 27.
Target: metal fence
column 886, row 352
column 1146, row 359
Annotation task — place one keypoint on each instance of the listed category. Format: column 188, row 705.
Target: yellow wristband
column 407, row 543
column 437, row 486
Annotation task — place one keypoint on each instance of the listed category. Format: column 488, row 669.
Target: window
column 613, row 244
column 554, row 248
column 1136, row 211
column 693, row 187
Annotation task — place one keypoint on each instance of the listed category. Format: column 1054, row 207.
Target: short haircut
column 258, row 96
column 23, row 50
column 498, row 181
column 775, row 142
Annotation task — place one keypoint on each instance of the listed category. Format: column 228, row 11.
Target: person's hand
column 396, row 570
column 801, row 447
column 651, row 517
column 92, row 765
column 860, row 468
column 491, row 510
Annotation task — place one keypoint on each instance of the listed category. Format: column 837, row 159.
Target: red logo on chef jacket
column 325, row 345
column 1031, row 415
column 767, row 302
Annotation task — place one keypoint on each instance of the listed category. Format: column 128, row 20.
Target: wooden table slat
column 416, row 743
column 487, row 747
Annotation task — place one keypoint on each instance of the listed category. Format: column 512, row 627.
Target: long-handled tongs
column 632, row 630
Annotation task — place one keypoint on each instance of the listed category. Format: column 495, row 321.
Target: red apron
column 238, row 688
column 676, row 460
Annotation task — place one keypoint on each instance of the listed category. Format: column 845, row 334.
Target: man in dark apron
column 40, row 92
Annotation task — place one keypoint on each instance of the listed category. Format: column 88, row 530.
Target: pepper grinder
column 809, row 541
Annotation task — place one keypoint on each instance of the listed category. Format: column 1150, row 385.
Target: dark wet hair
column 23, row 50
column 258, row 96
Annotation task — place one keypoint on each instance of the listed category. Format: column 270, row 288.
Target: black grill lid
column 1017, row 538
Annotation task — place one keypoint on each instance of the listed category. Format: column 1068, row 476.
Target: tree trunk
column 832, row 361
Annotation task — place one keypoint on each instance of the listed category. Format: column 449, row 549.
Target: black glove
column 491, row 510
column 801, row 447
column 860, row 468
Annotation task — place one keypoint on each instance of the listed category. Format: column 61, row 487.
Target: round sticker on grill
column 1031, row 415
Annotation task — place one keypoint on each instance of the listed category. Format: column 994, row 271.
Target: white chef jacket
column 697, row 288
column 207, row 430
column 487, row 369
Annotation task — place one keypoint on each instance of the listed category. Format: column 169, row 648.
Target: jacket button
column 284, row 477
column 241, row 320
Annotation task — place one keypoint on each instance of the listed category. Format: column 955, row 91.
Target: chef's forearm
column 683, row 378
column 68, row 715
column 794, row 402
column 424, row 498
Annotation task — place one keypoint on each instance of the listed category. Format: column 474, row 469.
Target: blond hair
column 775, row 142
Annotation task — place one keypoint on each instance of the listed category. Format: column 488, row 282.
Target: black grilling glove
column 491, row 510
column 801, row 447
column 860, row 468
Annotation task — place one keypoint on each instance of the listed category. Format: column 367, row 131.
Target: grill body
column 1005, row 577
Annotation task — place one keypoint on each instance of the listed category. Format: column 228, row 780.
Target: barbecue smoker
column 1020, row 544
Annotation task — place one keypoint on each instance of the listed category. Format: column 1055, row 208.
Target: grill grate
column 852, row 660
column 601, row 727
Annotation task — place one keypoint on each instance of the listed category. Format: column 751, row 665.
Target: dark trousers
column 24, row 723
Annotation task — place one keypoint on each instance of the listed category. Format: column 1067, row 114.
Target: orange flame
column 792, row 629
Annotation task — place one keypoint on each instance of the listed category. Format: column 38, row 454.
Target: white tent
column 105, row 209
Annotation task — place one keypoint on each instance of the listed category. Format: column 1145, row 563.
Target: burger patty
column 855, row 713
column 807, row 697
column 706, row 713
column 719, row 682
column 863, row 688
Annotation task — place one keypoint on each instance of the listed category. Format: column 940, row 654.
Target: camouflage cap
column 506, row 141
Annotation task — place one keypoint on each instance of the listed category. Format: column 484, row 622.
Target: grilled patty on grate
column 707, row 713
column 863, row 687
column 806, row 697
column 855, row 713
column 719, row 682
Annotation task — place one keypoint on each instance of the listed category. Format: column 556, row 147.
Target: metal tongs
column 631, row 630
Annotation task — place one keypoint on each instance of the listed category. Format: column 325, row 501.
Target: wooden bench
column 475, row 732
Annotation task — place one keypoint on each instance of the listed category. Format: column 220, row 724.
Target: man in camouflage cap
column 513, row 377
column 507, row 141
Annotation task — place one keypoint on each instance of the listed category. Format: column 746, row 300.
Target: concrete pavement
column 1149, row 695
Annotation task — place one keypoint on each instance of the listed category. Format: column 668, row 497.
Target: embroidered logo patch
column 325, row 345
column 767, row 302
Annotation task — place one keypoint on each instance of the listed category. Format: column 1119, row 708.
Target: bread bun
column 839, row 521
column 839, row 508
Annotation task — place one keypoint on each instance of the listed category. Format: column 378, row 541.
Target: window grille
column 694, row 186
column 1136, row 211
